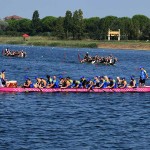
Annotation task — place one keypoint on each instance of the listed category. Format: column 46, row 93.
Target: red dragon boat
column 77, row 90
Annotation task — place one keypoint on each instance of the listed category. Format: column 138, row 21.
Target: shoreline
column 125, row 46
column 86, row 43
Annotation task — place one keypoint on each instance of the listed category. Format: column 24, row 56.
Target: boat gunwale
column 77, row 90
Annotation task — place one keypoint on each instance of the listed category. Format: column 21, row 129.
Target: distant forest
column 73, row 26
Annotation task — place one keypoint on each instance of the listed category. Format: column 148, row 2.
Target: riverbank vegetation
column 47, row 41
column 73, row 30
column 74, row 27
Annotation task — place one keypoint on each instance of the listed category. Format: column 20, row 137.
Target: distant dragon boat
column 76, row 90
column 14, row 53
column 109, row 60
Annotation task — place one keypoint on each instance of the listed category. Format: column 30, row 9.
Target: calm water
column 73, row 121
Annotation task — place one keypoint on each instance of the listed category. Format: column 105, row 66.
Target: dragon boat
column 76, row 90
column 12, row 53
column 99, row 60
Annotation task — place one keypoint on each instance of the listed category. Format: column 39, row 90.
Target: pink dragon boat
column 77, row 90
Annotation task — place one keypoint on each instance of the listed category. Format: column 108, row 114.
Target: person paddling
column 49, row 81
column 96, row 81
column 55, row 83
column 83, row 81
column 132, row 82
column 112, row 83
column 76, row 84
column 103, row 83
column 66, row 83
column 38, row 81
column 43, row 83
column 143, row 77
column 118, row 81
column 123, row 83
column 2, row 76
column 28, row 83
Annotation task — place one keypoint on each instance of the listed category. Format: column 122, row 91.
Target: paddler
column 38, row 81
column 49, row 81
column 89, row 84
column 132, row 82
column 103, row 83
column 67, row 83
column 107, row 81
column 55, row 83
column 123, row 83
column 96, row 81
column 143, row 77
column 1, row 85
column 76, row 84
column 112, row 83
column 71, row 82
column 43, row 83
column 118, row 81
column 83, row 82
column 2, row 77
column 28, row 83
column 86, row 58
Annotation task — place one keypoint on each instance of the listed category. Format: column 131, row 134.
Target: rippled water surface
column 83, row 121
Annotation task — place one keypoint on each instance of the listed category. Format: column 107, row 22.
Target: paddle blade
column 79, row 58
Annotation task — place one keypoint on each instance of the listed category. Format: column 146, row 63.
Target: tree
column 48, row 23
column 24, row 25
column 105, row 24
column 78, row 24
column 140, row 22
column 68, row 23
column 92, row 27
column 146, row 32
column 59, row 30
column 36, row 24
column 12, row 25
column 3, row 25
column 125, row 25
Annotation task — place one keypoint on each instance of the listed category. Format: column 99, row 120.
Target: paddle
column 79, row 58
column 139, row 78
column 64, row 57
column 40, row 89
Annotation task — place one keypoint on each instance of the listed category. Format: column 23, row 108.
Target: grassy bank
column 46, row 41
column 137, row 45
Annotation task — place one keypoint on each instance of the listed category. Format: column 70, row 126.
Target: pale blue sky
column 90, row 8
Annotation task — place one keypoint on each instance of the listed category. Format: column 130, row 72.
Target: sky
column 90, row 8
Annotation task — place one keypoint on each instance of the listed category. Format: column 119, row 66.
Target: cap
column 88, row 79
column 26, row 77
column 101, row 77
column 132, row 77
column 82, row 77
column 3, row 70
column 35, row 77
column 141, row 67
column 60, row 77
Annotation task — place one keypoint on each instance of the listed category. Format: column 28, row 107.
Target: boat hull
column 79, row 90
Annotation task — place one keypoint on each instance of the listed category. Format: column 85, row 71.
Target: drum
column 12, row 84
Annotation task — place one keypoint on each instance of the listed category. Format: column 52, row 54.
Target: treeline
column 74, row 26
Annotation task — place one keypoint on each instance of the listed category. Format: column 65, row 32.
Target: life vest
column 143, row 74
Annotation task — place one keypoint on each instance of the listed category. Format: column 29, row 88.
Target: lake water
column 73, row 121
